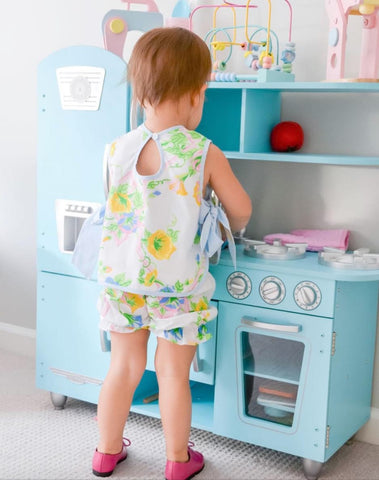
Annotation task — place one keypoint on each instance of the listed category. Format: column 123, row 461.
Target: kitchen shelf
column 239, row 116
column 305, row 158
column 202, row 406
column 310, row 87
column 272, row 371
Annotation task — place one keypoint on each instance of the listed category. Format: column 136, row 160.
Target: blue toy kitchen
column 287, row 368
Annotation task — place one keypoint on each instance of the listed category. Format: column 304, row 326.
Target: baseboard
column 369, row 433
column 16, row 339
column 22, row 341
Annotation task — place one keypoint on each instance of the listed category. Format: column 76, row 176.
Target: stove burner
column 276, row 251
column 360, row 259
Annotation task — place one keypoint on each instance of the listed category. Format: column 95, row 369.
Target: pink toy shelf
column 339, row 12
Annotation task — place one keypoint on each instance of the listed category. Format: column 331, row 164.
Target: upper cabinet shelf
column 239, row 116
column 297, row 157
column 306, row 87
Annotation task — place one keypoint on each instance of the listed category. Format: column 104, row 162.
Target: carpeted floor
column 38, row 442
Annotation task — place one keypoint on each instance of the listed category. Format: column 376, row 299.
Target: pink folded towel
column 316, row 239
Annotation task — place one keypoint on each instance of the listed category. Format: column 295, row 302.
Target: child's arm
column 234, row 199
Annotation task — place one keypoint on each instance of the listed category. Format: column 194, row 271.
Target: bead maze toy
column 339, row 12
column 259, row 45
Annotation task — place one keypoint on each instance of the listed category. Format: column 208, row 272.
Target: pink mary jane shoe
column 185, row 470
column 103, row 464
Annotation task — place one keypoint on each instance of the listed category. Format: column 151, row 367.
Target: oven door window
column 271, row 374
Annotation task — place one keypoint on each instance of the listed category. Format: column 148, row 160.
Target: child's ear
column 195, row 96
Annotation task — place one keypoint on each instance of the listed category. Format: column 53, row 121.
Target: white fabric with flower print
column 151, row 235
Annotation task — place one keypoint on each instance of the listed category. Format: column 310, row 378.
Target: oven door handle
column 278, row 327
column 197, row 363
column 105, row 343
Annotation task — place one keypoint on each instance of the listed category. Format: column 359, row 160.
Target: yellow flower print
column 150, row 278
column 120, row 203
column 201, row 305
column 160, row 245
column 133, row 301
column 181, row 189
column 196, row 193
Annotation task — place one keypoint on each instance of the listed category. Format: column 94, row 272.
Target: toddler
column 152, row 264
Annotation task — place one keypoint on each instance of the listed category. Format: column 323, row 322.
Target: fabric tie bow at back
column 211, row 217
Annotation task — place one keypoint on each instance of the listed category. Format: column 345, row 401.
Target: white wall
column 285, row 196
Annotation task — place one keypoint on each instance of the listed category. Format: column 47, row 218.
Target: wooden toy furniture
column 291, row 361
column 339, row 12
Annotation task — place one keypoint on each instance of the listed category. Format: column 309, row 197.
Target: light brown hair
column 167, row 63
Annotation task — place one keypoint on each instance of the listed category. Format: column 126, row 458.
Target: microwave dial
column 307, row 295
column 238, row 285
column 272, row 290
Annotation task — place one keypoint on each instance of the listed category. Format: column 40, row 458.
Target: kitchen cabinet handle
column 76, row 377
column 278, row 327
column 197, row 362
column 104, row 341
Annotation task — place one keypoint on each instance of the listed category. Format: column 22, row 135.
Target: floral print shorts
column 181, row 320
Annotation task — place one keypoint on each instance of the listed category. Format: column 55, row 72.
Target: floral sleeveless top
column 150, row 236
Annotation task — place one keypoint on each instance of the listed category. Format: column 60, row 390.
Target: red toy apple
column 287, row 137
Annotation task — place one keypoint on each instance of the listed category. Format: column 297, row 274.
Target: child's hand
column 233, row 197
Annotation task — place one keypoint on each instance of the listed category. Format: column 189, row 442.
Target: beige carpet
column 38, row 442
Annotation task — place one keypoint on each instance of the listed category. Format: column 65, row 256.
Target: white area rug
column 40, row 443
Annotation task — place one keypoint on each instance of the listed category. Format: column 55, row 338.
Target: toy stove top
column 276, row 251
column 360, row 259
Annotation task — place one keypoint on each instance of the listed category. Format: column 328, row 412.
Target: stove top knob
column 307, row 295
column 238, row 285
column 272, row 290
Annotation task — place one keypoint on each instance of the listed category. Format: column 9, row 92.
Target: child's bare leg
column 128, row 362
column 172, row 365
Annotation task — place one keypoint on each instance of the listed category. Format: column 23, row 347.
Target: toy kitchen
column 290, row 364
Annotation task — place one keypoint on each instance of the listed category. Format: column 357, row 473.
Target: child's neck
column 168, row 114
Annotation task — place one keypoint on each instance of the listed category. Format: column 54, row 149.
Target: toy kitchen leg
column 58, row 400
column 312, row 468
